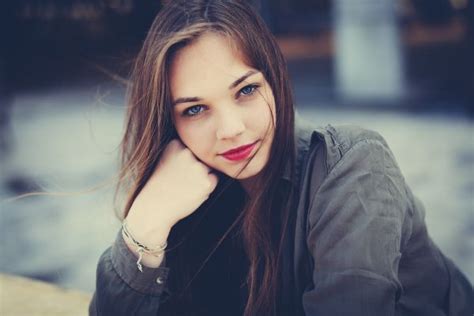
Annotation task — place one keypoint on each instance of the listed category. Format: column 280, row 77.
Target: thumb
column 213, row 179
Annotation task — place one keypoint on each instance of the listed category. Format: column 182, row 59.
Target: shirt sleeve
column 356, row 222
column 121, row 289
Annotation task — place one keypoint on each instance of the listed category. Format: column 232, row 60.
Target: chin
column 244, row 175
column 253, row 169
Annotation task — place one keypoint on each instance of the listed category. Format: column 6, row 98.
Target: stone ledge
column 23, row 296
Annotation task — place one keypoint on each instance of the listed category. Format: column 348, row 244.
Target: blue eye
column 248, row 90
column 193, row 110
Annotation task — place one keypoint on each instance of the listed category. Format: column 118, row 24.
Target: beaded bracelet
column 141, row 248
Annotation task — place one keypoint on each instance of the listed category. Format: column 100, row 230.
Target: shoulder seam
column 356, row 144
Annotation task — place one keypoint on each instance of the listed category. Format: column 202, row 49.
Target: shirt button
column 159, row 280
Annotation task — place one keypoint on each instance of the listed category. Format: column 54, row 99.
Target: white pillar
column 368, row 56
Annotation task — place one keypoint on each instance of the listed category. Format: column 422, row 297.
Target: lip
column 239, row 153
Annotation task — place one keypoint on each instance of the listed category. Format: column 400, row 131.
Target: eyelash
column 254, row 88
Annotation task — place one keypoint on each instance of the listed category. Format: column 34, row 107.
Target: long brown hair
column 149, row 125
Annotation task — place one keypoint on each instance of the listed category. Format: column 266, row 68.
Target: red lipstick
column 239, row 153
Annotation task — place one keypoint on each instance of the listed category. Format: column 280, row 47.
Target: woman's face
column 219, row 104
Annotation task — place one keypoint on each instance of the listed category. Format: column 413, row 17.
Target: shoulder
column 353, row 182
column 341, row 155
column 349, row 143
column 351, row 164
column 331, row 146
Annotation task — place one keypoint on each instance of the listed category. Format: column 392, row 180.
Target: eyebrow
column 231, row 86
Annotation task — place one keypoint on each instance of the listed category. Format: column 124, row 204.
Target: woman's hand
column 179, row 185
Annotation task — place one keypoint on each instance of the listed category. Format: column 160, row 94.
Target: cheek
column 265, row 114
column 267, row 110
column 196, row 139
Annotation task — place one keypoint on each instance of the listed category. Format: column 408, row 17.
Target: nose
column 229, row 124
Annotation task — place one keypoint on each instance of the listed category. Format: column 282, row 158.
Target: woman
column 232, row 209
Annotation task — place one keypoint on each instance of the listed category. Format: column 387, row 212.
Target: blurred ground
column 44, row 299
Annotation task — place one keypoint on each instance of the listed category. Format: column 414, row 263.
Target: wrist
column 149, row 255
column 149, row 236
column 148, row 260
column 148, row 231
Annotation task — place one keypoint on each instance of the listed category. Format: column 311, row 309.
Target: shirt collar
column 303, row 139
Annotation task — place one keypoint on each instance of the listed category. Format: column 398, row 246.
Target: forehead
column 206, row 65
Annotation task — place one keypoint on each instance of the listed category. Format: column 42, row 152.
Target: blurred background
column 401, row 67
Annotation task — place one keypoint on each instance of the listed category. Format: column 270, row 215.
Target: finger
column 214, row 179
column 209, row 169
column 177, row 142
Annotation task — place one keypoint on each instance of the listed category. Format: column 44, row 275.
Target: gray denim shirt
column 358, row 245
